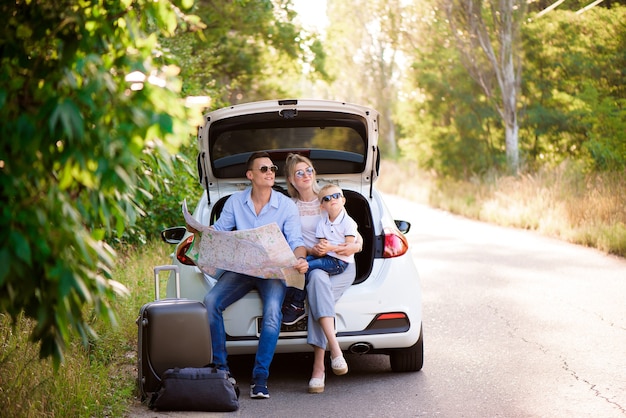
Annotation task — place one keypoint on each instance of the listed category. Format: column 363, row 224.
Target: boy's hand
column 321, row 248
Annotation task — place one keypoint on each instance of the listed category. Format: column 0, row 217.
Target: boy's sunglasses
column 272, row 168
column 300, row 173
column 329, row 197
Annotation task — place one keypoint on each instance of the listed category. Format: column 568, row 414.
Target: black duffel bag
column 196, row 389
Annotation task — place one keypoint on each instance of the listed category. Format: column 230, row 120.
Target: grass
column 585, row 209
column 97, row 381
column 100, row 381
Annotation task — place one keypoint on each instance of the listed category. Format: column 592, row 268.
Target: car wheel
column 408, row 359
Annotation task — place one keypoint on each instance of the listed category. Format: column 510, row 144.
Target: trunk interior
column 359, row 209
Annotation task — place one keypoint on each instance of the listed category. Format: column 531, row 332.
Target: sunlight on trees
column 82, row 152
column 83, row 149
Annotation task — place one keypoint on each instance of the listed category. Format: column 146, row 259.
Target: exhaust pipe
column 360, row 348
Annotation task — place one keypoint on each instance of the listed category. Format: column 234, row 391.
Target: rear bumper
column 375, row 343
column 392, row 288
column 382, row 313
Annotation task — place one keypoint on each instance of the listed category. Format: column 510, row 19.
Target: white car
column 381, row 312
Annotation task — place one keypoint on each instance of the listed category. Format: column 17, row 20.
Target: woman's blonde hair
column 290, row 171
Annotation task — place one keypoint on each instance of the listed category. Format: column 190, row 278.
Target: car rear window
column 336, row 142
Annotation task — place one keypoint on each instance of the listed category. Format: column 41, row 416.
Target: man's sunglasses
column 329, row 197
column 272, row 168
column 300, row 173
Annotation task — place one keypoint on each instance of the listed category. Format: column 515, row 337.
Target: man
column 256, row 206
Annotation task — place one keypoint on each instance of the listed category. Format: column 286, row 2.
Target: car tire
column 408, row 359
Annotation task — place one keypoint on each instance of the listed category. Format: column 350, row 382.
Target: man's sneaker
column 259, row 391
column 292, row 314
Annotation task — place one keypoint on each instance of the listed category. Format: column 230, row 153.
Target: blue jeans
column 329, row 264
column 230, row 288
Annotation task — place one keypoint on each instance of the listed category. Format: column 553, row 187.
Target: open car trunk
column 340, row 138
column 358, row 208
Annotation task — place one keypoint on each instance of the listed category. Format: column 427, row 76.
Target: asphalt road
column 515, row 325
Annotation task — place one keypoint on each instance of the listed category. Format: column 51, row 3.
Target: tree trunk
column 512, row 146
column 509, row 79
column 485, row 64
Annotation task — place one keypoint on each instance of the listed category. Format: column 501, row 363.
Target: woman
column 323, row 292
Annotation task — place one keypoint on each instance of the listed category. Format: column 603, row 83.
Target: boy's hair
column 325, row 188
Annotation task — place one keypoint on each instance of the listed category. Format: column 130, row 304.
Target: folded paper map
column 260, row 252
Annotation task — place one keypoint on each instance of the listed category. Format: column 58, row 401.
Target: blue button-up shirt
column 239, row 213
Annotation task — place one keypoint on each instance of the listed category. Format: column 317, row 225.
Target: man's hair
column 254, row 156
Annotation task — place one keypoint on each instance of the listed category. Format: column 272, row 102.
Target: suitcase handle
column 168, row 267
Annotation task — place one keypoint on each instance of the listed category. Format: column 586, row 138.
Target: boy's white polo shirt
column 337, row 231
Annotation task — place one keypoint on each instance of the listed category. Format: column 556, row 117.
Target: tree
column 444, row 121
column 490, row 51
column 574, row 91
column 246, row 50
column 81, row 149
column 364, row 38
column 249, row 50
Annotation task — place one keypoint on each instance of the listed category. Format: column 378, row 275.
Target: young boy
column 336, row 227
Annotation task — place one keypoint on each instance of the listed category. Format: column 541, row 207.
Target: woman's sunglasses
column 329, row 197
column 300, row 173
column 272, row 168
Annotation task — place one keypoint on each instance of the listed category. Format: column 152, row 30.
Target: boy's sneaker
column 259, row 391
column 292, row 313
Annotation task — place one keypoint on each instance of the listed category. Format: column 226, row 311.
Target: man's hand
column 194, row 230
column 302, row 266
column 191, row 229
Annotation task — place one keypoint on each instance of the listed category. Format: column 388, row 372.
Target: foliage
column 574, row 88
column 447, row 124
column 571, row 107
column 31, row 388
column 537, row 6
column 246, row 50
column 164, row 209
column 563, row 202
column 249, row 50
column 80, row 151
column 101, row 378
column 487, row 35
column 364, row 39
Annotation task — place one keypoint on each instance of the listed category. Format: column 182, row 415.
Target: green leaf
column 68, row 115
column 21, row 246
column 3, row 98
column 98, row 234
column 5, row 257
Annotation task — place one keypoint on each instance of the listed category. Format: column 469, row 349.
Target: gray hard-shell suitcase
column 171, row 333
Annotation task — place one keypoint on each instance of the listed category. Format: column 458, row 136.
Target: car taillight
column 395, row 243
column 181, row 252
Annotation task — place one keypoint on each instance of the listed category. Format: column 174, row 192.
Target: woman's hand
column 347, row 248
